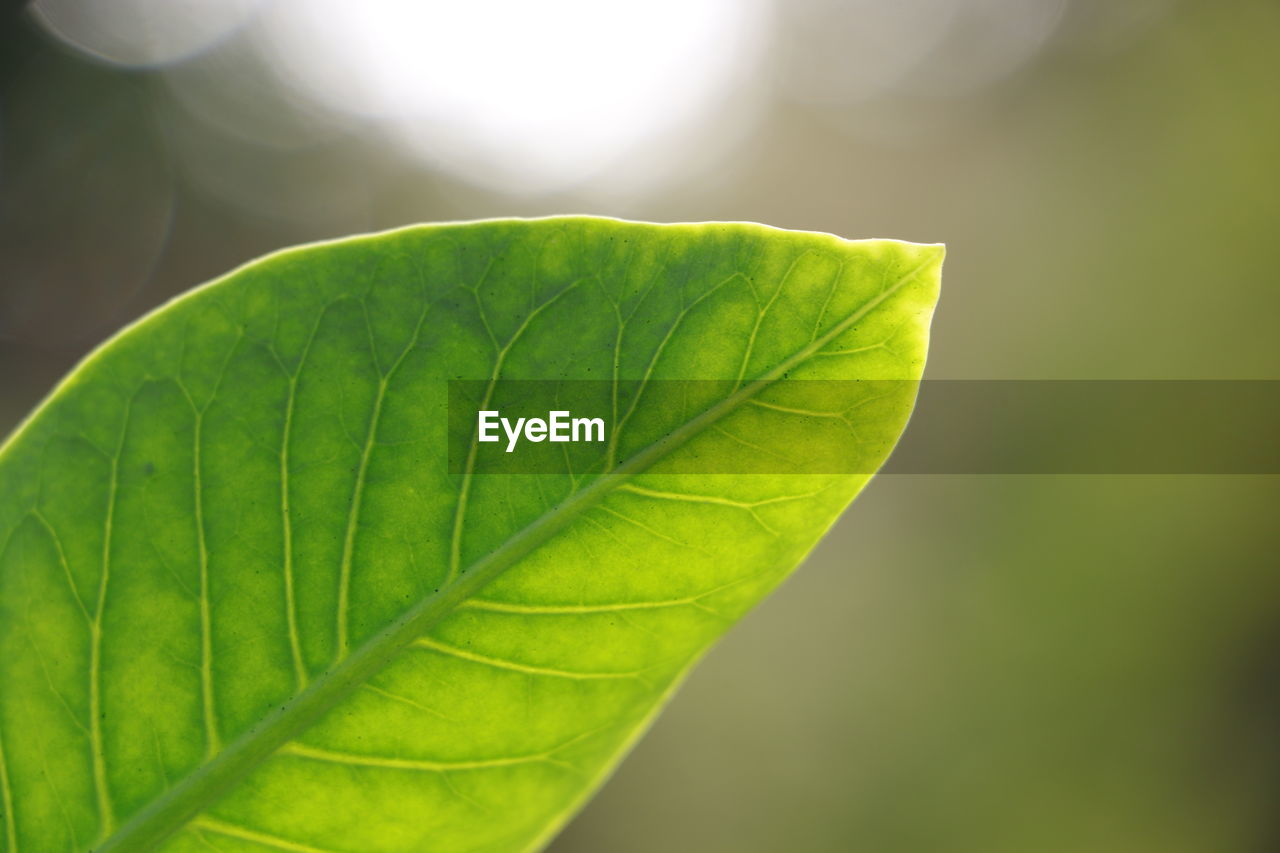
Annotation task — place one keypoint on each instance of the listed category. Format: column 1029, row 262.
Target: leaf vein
column 515, row 666
column 244, row 834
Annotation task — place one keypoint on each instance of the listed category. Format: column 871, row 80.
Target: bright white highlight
column 519, row 95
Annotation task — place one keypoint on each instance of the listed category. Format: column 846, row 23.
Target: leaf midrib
column 205, row 785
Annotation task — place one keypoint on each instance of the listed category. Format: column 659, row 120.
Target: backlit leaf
column 246, row 604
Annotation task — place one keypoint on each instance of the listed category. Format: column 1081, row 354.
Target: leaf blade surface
column 244, row 604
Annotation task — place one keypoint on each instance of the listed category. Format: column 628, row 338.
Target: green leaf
column 246, row 606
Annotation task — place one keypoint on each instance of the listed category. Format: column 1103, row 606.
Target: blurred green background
column 978, row 663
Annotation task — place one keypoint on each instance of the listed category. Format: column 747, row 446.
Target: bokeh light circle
column 142, row 33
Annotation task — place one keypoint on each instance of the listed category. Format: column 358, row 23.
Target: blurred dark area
column 968, row 663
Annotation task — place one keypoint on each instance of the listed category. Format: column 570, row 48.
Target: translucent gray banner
column 834, row 427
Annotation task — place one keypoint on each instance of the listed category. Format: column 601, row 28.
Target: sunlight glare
column 517, row 95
